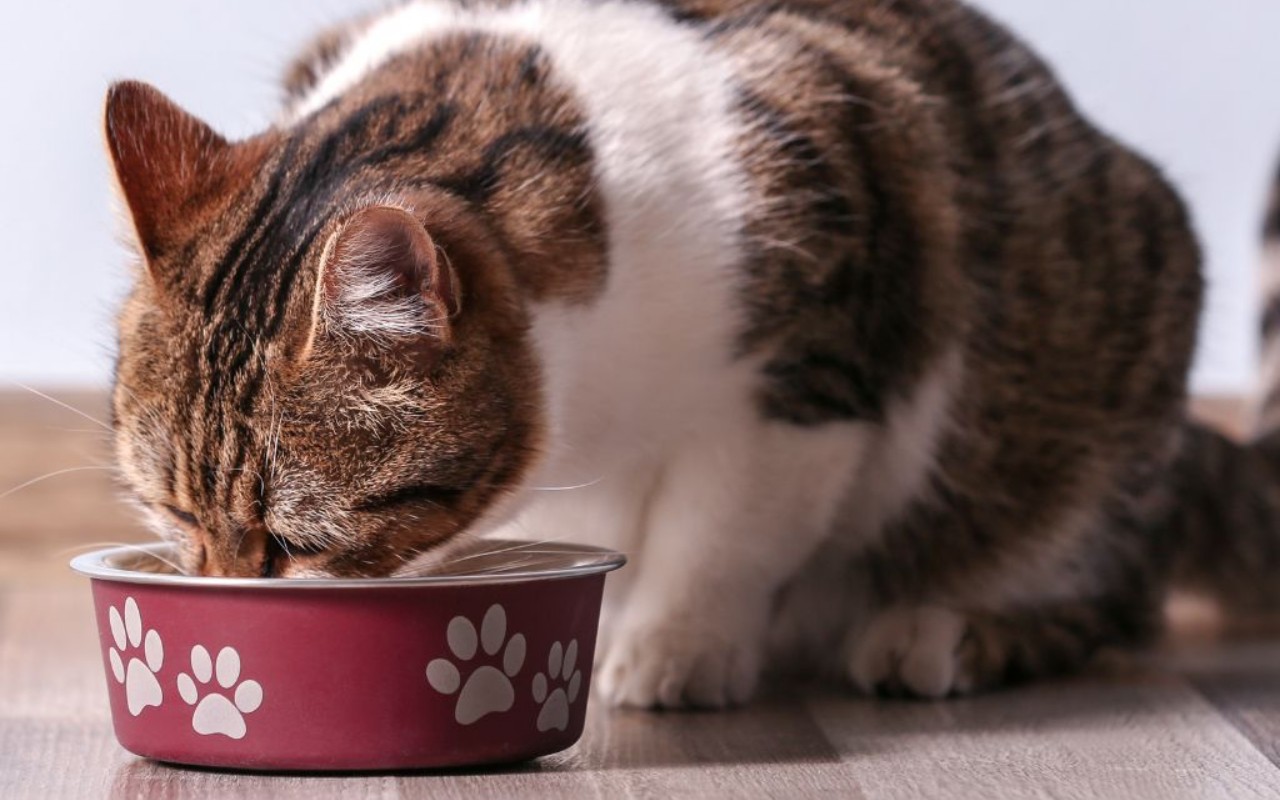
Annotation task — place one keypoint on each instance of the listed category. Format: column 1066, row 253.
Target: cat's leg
column 731, row 520
column 1032, row 603
column 932, row 651
column 813, row 615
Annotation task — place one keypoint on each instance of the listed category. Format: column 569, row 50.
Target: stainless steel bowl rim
column 581, row 560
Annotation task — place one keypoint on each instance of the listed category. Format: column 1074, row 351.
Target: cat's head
column 320, row 370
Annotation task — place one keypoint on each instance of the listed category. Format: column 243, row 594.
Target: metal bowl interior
column 491, row 561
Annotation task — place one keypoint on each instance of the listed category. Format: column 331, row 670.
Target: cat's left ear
column 382, row 279
column 171, row 167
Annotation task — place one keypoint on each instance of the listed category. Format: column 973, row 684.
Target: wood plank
column 772, row 748
column 49, row 657
column 51, row 760
column 44, row 758
column 773, row 731
column 1238, row 670
column 1129, row 733
column 148, row 780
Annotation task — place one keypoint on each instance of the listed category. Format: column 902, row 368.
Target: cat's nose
column 244, row 554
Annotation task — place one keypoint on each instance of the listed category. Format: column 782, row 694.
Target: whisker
column 262, row 483
column 76, row 549
column 53, row 474
column 67, row 406
column 283, row 545
column 273, row 435
column 499, row 569
column 240, row 541
column 567, row 488
column 522, row 547
column 127, row 545
column 106, row 436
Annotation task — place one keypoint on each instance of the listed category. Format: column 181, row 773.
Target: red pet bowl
column 491, row 665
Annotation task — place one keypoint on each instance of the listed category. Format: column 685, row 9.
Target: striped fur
column 1267, row 411
column 1225, row 542
column 837, row 316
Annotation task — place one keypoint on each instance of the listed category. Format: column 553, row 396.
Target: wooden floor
column 1199, row 718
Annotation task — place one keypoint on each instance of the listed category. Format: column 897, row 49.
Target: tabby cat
column 836, row 316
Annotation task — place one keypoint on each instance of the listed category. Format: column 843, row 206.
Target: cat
column 1266, row 405
column 836, row 316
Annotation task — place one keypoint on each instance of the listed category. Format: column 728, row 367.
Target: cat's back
column 881, row 183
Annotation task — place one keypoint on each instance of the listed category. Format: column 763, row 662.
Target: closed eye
column 293, row 547
column 418, row 493
column 185, row 517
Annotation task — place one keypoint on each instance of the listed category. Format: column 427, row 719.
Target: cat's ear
column 167, row 162
column 383, row 279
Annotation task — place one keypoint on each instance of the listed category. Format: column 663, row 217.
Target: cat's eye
column 426, row 493
column 281, row 549
column 292, row 547
column 185, row 517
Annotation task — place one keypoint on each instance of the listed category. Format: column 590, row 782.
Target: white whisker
column 520, row 547
column 586, row 485
column 93, row 431
column 127, row 545
column 53, row 474
column 67, row 406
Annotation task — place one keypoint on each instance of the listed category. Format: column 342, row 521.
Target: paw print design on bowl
column 487, row 688
column 216, row 713
column 555, row 703
column 141, row 687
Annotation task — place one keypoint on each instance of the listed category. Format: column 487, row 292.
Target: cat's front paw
column 917, row 651
column 677, row 665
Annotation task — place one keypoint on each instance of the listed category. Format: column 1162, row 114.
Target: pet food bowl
column 488, row 665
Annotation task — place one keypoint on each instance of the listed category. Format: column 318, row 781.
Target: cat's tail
column 1266, row 414
column 1227, row 527
column 1225, row 530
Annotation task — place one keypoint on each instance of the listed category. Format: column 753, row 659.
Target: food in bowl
column 488, row 662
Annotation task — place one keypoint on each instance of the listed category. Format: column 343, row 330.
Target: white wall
column 61, row 269
column 1189, row 82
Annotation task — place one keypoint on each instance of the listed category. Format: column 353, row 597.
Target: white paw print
column 141, row 689
column 561, row 668
column 487, row 690
column 217, row 713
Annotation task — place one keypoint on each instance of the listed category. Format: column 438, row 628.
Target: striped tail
column 1266, row 417
column 1227, row 528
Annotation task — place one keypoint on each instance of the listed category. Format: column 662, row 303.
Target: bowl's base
column 394, row 763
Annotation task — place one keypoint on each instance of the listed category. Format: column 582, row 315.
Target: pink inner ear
column 395, row 242
column 384, row 282
column 391, row 247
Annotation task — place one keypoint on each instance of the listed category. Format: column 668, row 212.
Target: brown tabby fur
column 965, row 166
column 230, row 300
column 931, row 191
